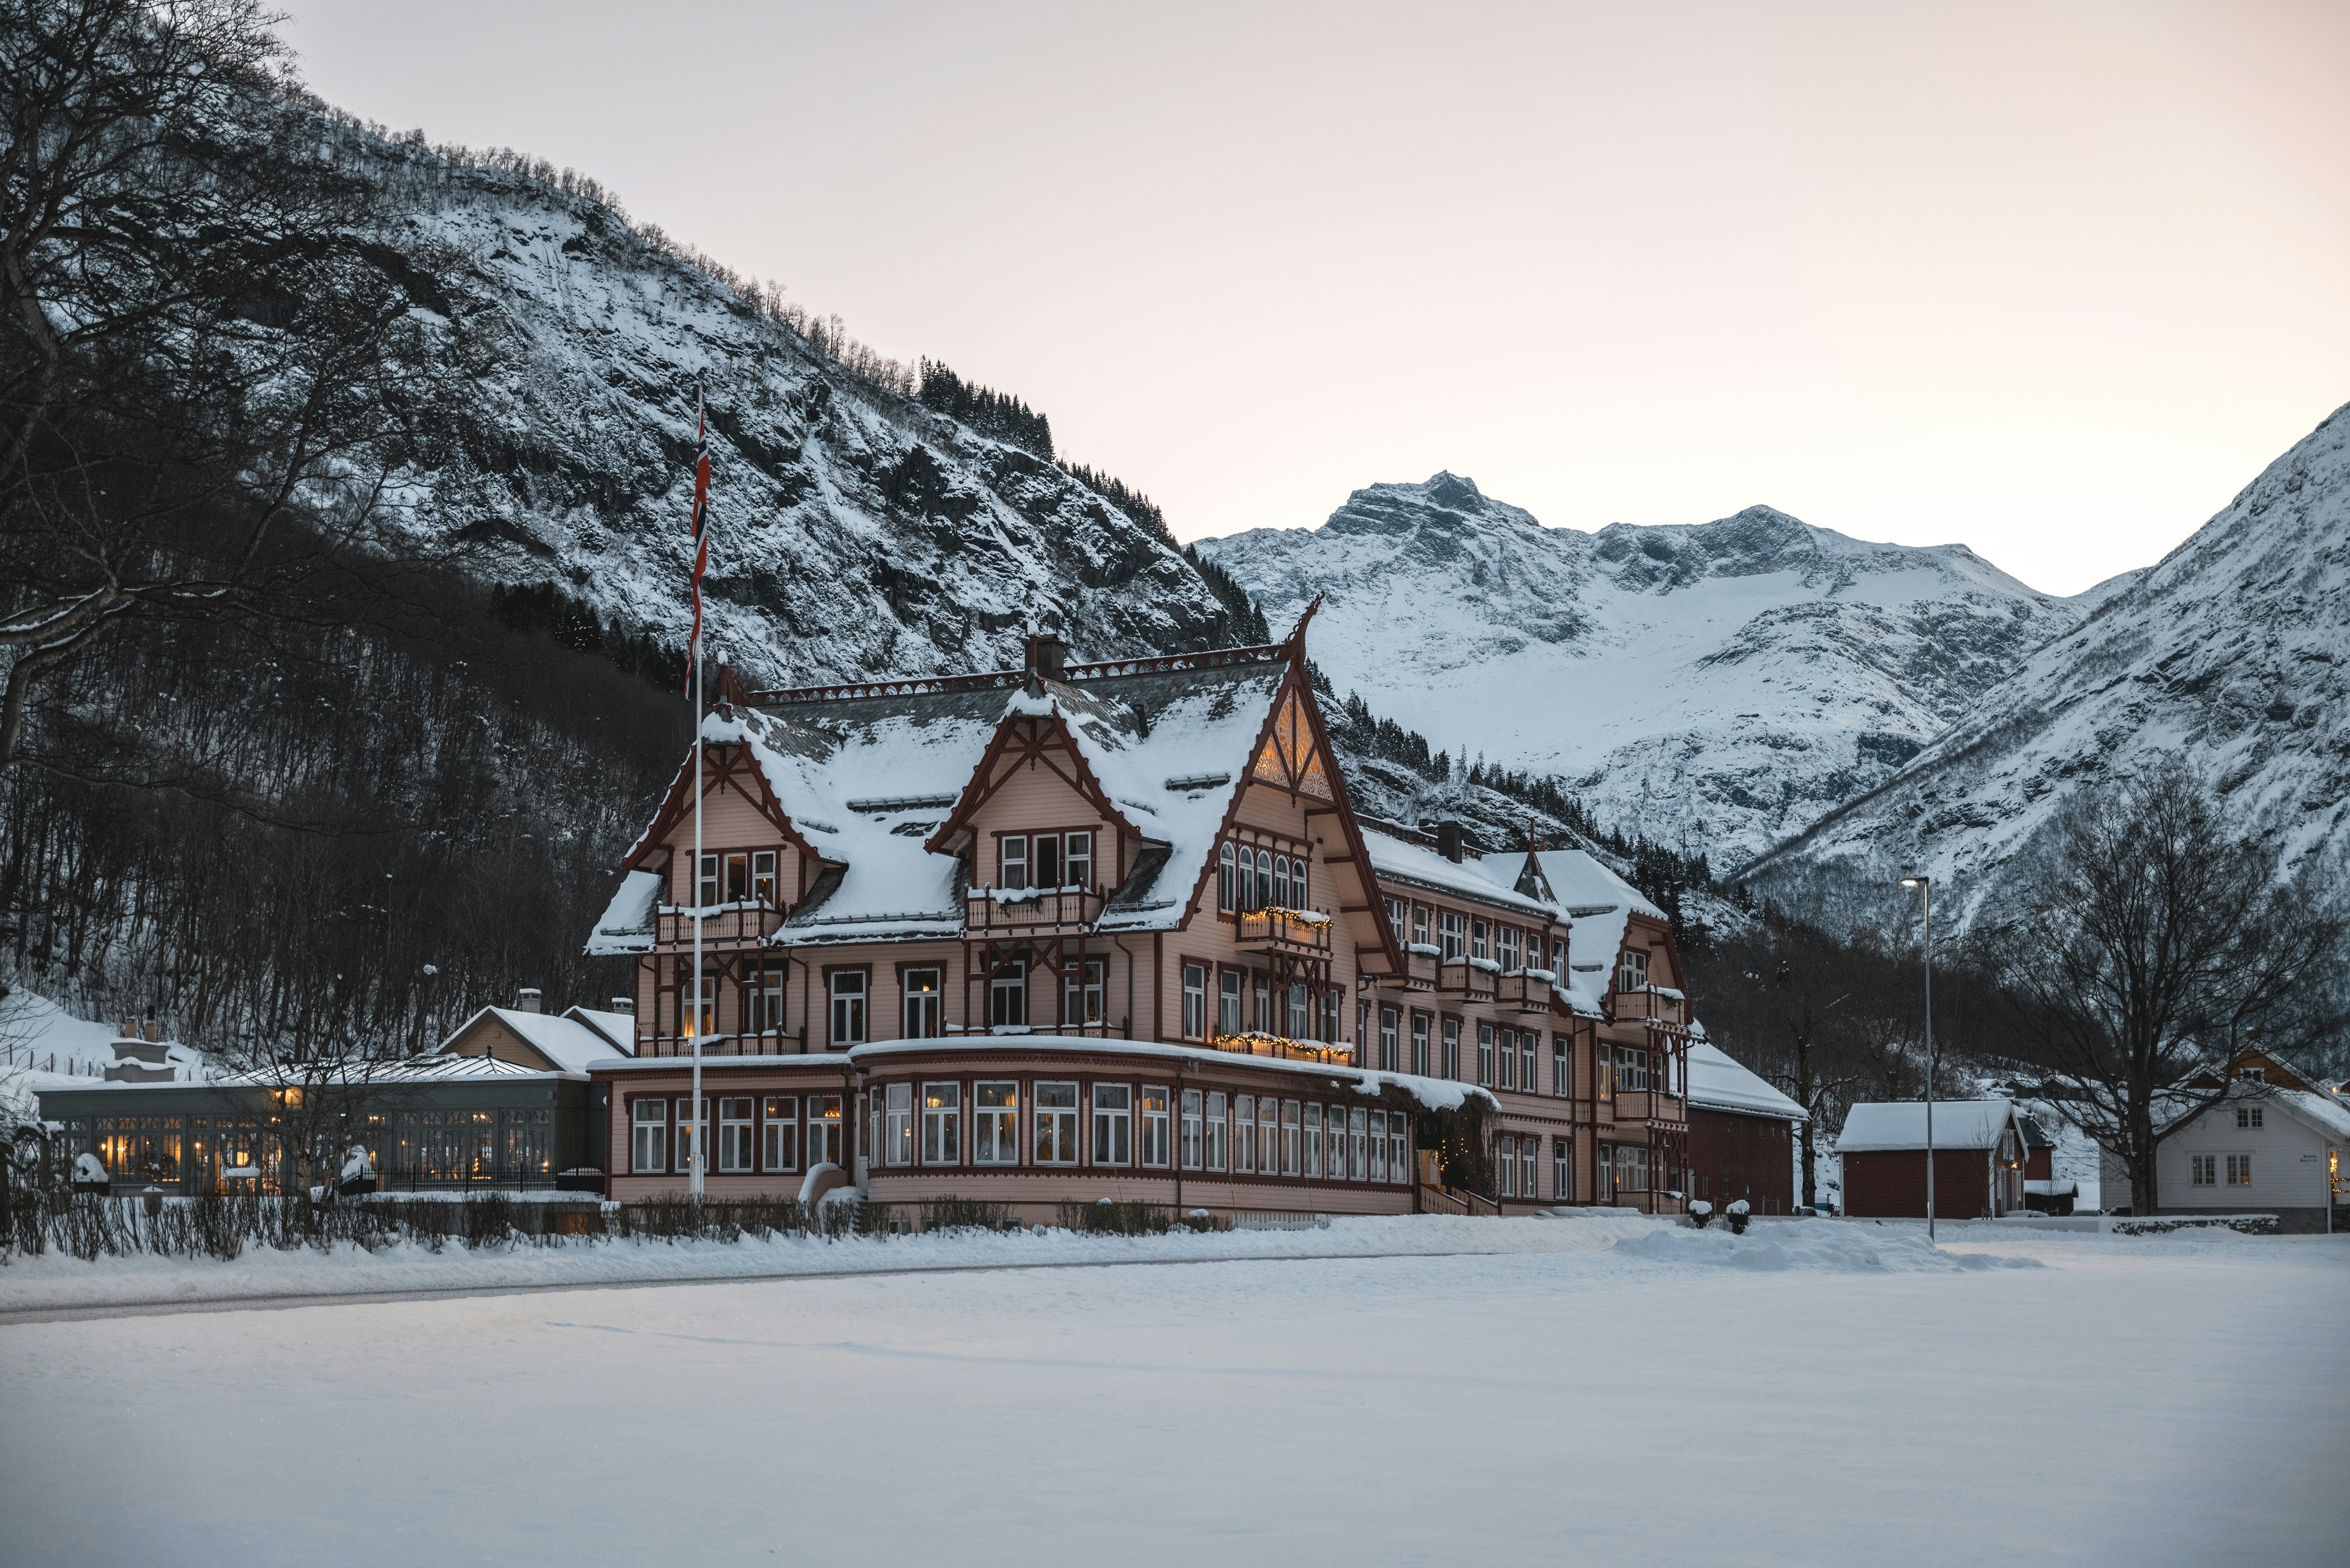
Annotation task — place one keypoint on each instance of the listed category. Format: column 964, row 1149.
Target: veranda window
column 1378, row 1145
column 924, row 1005
column 898, row 1123
column 1359, row 1158
column 824, row 1129
column 1631, row 1072
column 1301, row 1023
column 1189, row 1138
column 1634, row 974
column 942, row 1123
column 649, row 1137
column 1268, row 1136
column 779, row 1126
column 849, row 1007
column 1244, row 1134
column 1078, row 867
column 1113, row 1124
column 1216, row 1131
column 1313, row 1141
column 1057, row 1124
column 1289, row 1138
column 735, row 1125
column 762, row 878
column 995, row 1124
column 1007, row 994
column 1154, row 1125
column 1631, row 1167
column 1512, row 941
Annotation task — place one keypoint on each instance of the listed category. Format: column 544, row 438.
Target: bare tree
column 2153, row 939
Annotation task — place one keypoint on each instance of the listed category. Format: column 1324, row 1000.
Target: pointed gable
column 1291, row 757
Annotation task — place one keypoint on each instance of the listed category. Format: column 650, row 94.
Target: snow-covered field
column 1608, row 1390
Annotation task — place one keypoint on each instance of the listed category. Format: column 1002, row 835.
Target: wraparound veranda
column 1071, row 932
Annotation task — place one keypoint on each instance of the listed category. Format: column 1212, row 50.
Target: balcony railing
column 1284, row 931
column 1257, row 1043
column 1649, row 1005
column 721, row 924
column 1523, row 990
column 992, row 909
column 773, row 1043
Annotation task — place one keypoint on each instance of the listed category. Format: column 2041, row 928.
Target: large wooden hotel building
column 1113, row 930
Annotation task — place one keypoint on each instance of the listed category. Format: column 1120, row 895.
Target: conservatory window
column 848, row 1006
column 824, row 1131
column 1154, row 1125
column 1057, row 1124
column 1007, row 994
column 942, row 1123
column 1012, row 862
column 779, row 1121
column 1216, row 1131
column 1113, row 1124
column 898, row 1123
column 924, row 1000
column 649, row 1139
column 735, row 1123
column 995, row 1124
column 1190, row 1137
column 762, row 878
column 1244, row 1134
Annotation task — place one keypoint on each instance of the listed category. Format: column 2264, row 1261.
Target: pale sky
column 2055, row 281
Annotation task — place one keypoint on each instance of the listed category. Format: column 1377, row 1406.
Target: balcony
column 992, row 911
column 1523, row 990
column 1297, row 932
column 1650, row 1004
column 1647, row 1107
column 722, row 925
column 772, row 1042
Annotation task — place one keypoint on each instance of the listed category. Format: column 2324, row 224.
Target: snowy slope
column 857, row 531
column 2232, row 653
column 1720, row 684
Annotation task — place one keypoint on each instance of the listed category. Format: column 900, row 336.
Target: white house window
column 1451, row 935
column 942, row 1123
column 1631, row 1072
column 1558, row 960
column 1077, row 868
column 2203, row 1170
column 1506, row 1059
column 1398, row 1161
column 1526, row 1150
column 1046, row 856
column 1634, row 974
column 898, row 1123
column 1419, row 925
column 764, row 1000
column 849, row 1007
column 1453, row 1048
column 1358, row 1155
column 2240, row 1171
column 762, row 878
column 1388, row 1022
column 1631, row 1167
column 779, row 1123
column 995, row 1124
column 1378, row 1145
column 825, row 1146
column 1313, row 1141
column 1263, row 879
column 1007, row 993
column 649, row 1137
column 1216, row 1131
column 1561, row 1169
column 925, row 1001
column 1057, row 1124
column 1228, row 1001
column 2247, row 1116
column 706, row 895
column 1244, row 1134
column 1195, row 1001
column 1560, row 1084
column 1485, row 1055
column 1113, row 1124
column 1225, row 870
column 701, row 1008
column 1268, row 1136
column 1395, row 917
column 1012, row 861
column 1477, row 940
column 690, row 1130
column 1506, row 1167
column 1420, row 1044
column 1526, row 1042
column 735, row 1124
column 1154, row 1125
column 1512, row 938
column 1289, row 1138
column 1190, row 1137
column 1301, row 1021
column 1081, row 1002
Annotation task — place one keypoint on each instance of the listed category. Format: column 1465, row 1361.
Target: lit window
column 1057, row 1124
column 924, row 1000
column 2204, row 1169
column 824, row 1131
column 734, row 1126
column 1154, row 1125
column 942, row 1123
column 1082, row 994
column 738, row 878
column 2240, row 1171
column 779, row 1122
column 762, row 878
column 898, row 1123
column 1113, row 1124
column 995, row 1124
column 690, row 1130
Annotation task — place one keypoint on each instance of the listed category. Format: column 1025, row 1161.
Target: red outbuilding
column 1978, row 1160
column 1741, row 1135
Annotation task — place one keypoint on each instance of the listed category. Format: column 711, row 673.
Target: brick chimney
column 1448, row 839
column 527, row 999
column 1048, row 655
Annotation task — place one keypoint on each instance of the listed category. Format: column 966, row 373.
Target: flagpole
column 700, row 1132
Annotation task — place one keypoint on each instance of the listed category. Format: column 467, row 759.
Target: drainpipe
column 805, row 982
column 1119, row 943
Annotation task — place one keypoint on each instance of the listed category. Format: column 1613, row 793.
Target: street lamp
column 1926, row 910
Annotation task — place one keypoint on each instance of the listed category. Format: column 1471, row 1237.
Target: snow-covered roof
column 1596, row 903
column 1474, row 877
column 568, row 1044
column 619, row 1028
column 626, row 925
column 1901, row 1125
column 1718, row 1084
column 2326, row 1110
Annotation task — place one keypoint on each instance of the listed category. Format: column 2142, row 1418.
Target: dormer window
column 1634, row 974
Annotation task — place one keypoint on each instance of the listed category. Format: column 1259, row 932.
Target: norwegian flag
column 701, row 526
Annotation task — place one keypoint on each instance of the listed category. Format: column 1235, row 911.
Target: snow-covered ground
column 42, row 1046
column 1609, row 1391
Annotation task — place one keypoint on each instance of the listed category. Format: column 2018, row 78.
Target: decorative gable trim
column 1016, row 729
column 727, row 765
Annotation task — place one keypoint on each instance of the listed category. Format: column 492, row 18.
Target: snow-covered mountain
column 2232, row 653
column 1720, row 684
column 857, row 531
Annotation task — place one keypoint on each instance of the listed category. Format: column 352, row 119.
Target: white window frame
column 1053, row 1122
column 1378, row 1145
column 1420, row 1046
column 649, row 1137
column 943, row 1123
column 897, row 1125
column 847, row 1005
column 825, row 1141
column 1152, row 1151
column 766, row 886
column 995, row 1122
column 1084, row 994
column 2240, row 1171
column 1195, row 1001
column 1227, row 869
column 2204, row 1170
column 1044, row 860
column 1450, row 1034
column 1268, row 1135
column 1312, row 1140
column 1301, row 1012
column 690, row 1131
column 1291, row 1138
column 1078, row 859
column 1398, row 1148
column 1453, row 935
column 1012, row 862
column 1529, row 1165
column 1218, row 1128
column 1633, row 973
column 737, row 1118
column 1113, row 1128
column 1359, row 1154
column 922, row 1007
column 779, row 1132
column 1390, row 1033
column 1190, row 1139
column 1485, row 1055
column 1529, row 1048
column 1228, row 1001
column 1007, row 993
column 1562, row 1168
column 1506, row 1164
column 1244, row 1134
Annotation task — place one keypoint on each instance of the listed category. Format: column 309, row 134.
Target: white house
column 2271, row 1147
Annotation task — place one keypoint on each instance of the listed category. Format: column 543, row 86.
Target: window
column 1081, row 993
column 738, row 878
column 1506, row 1168
column 1389, row 1019
column 1057, row 1124
column 1511, row 938
column 1477, row 940
column 1451, row 937
column 1359, row 1154
column 1244, row 1134
column 1420, row 924
column 1191, row 1138
column 2240, row 1171
column 1228, row 1003
column 1012, row 861
column 763, row 999
column 1289, row 1138
column 702, row 1006
column 995, row 1124
column 763, row 879
column 1007, row 994
column 1264, row 1019
column 1077, row 861
column 2247, row 1116
column 1605, row 1191
column 1300, row 1019
column 2252, row 1074
column 898, row 1123
column 735, row 1124
column 1329, row 1015
column 1378, row 1145
column 1507, row 1064
column 1045, row 867
column 1226, row 873
column 1634, row 974
column 1558, row 960
column 2204, row 1169
column 779, row 1123
column 942, row 1123
column 1113, row 1124
column 690, row 1130
column 1526, row 1150
column 1195, row 1001
column 1631, row 1167
column 1452, row 1047
column 1561, row 1084
column 1632, row 1071
column 1485, row 1055
column 823, row 1125
column 1527, row 1040
column 848, row 1006
column 1281, row 882
column 1420, row 1044
column 1396, row 918
column 924, row 1002
column 1312, row 1140
column 649, row 1137
column 1562, row 1168
column 705, row 893
column 1154, row 1125
column 1216, row 1131
column 1263, row 879
column 1398, row 1148
column 1268, row 1136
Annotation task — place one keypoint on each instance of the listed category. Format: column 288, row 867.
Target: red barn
column 1741, row 1135
column 1978, row 1160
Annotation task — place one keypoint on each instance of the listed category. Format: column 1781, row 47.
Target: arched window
column 1263, row 879
column 1298, row 884
column 1280, row 881
column 1225, row 891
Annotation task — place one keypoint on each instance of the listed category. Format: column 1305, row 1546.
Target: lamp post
column 1925, row 913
